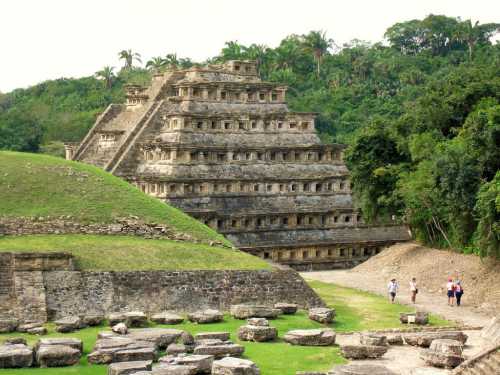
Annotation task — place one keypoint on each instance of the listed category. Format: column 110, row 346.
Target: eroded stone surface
column 310, row 337
column 322, row 315
column 424, row 339
column 361, row 369
column 254, row 311
column 373, row 339
column 438, row 359
column 167, row 318
column 202, row 363
column 363, row 351
column 206, row 316
column 15, row 356
column 219, row 350
column 257, row 333
column 68, row 324
column 286, row 308
column 8, row 325
column 120, row 328
column 126, row 368
column 65, row 341
column 122, row 349
column 419, row 318
column 234, row 366
column 223, row 336
column 57, row 356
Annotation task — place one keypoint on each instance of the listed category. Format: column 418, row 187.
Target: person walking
column 413, row 289
column 450, row 291
column 392, row 287
column 459, row 291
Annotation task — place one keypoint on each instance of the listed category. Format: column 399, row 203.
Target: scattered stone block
column 363, row 351
column 310, row 373
column 92, row 320
column 419, row 318
column 68, row 324
column 39, row 331
column 373, row 339
column 258, row 333
column 424, row 339
column 175, row 349
column 121, row 349
column 219, row 350
column 120, row 328
column 202, row 363
column 15, row 356
column 71, row 342
column 57, row 356
column 234, row 366
column 206, row 316
column 15, row 340
column 167, row 318
column 24, row 328
column 126, row 368
column 395, row 339
column 160, row 337
column 167, row 369
column 254, row 311
column 223, row 336
column 322, row 315
column 286, row 308
column 8, row 325
column 443, row 353
column 261, row 322
column 136, row 319
column 361, row 369
column 310, row 337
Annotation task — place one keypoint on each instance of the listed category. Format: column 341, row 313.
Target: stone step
column 485, row 366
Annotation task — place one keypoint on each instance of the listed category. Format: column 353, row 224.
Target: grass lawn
column 356, row 310
column 41, row 185
column 125, row 253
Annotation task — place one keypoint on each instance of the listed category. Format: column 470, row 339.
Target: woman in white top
column 413, row 289
column 392, row 287
column 450, row 292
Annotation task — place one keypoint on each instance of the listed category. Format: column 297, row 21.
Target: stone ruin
column 222, row 145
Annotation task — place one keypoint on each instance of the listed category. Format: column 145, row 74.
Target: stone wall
column 155, row 291
column 46, row 287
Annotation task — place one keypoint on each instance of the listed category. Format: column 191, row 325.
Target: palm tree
column 128, row 56
column 473, row 35
column 258, row 53
column 318, row 44
column 157, row 63
column 107, row 75
column 172, row 60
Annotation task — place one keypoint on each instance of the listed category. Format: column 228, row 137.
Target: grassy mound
column 127, row 253
column 40, row 185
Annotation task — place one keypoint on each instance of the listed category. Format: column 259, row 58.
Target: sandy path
column 436, row 304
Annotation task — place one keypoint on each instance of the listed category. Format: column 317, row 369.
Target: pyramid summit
column 221, row 144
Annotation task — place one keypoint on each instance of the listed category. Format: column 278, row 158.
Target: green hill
column 45, row 186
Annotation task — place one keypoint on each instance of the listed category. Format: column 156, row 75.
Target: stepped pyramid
column 221, row 145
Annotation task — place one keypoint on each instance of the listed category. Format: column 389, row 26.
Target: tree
column 488, row 213
column 128, row 56
column 107, row 75
column 473, row 35
column 318, row 45
column 157, row 63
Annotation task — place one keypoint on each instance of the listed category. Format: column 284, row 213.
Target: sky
column 48, row 39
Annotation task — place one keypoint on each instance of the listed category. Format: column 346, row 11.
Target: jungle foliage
column 420, row 112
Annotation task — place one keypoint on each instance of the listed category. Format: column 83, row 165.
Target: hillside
column 432, row 267
column 38, row 185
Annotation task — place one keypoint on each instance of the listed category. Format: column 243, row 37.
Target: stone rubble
column 15, row 356
column 286, row 308
column 259, row 332
column 254, row 311
column 310, row 337
column 234, row 366
column 322, row 315
column 206, row 316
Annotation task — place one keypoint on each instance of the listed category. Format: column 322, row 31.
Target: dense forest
column 420, row 112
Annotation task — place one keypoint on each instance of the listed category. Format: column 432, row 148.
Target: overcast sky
column 47, row 39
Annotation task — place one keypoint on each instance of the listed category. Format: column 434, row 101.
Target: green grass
column 276, row 358
column 356, row 310
column 34, row 185
column 125, row 253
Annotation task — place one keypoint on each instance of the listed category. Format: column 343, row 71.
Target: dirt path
column 425, row 301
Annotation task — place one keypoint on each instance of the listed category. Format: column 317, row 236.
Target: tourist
column 413, row 289
column 459, row 291
column 450, row 290
column 392, row 287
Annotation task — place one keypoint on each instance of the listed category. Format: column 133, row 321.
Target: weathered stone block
column 167, row 369
column 126, row 368
column 424, row 339
column 68, row 324
column 363, row 351
column 254, row 311
column 120, row 328
column 419, row 318
column 361, row 369
column 234, row 366
column 92, row 320
column 167, row 318
column 223, row 336
column 286, row 308
column 310, row 337
column 8, row 325
column 373, row 339
column 257, row 333
column 438, row 359
column 175, row 349
column 65, row 341
column 322, row 315
column 57, row 356
column 206, row 316
column 220, row 350
column 15, row 356
column 202, row 363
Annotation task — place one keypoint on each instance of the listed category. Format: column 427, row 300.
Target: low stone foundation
column 54, row 292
